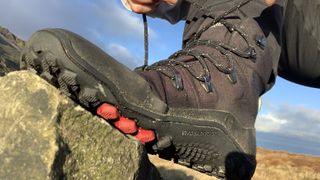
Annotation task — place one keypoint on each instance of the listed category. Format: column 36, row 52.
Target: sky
column 290, row 115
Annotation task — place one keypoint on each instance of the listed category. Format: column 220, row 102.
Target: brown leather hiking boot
column 201, row 102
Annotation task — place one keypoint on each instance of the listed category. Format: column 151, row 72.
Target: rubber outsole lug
column 89, row 97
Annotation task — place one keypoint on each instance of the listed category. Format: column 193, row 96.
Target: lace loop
column 166, row 67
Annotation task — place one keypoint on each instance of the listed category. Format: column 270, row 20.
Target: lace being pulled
column 166, row 67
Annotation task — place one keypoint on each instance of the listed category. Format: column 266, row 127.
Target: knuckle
column 136, row 8
column 140, row 8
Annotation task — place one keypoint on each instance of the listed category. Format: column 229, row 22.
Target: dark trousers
column 292, row 28
column 300, row 55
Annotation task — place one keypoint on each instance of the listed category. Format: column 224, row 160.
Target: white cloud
column 292, row 121
column 123, row 55
column 270, row 123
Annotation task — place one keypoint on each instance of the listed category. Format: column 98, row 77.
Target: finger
column 142, row 6
column 144, row 2
column 145, row 136
column 126, row 125
column 108, row 112
column 269, row 2
column 170, row 2
column 138, row 8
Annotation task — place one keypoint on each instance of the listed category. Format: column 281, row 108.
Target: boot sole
column 199, row 139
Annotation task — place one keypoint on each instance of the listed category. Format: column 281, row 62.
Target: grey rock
column 10, row 47
column 11, row 38
column 44, row 135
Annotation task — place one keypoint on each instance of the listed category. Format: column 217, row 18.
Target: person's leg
column 270, row 21
column 300, row 59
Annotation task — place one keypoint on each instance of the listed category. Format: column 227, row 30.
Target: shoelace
column 146, row 40
column 204, row 77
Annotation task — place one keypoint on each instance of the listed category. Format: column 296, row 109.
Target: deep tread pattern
column 69, row 77
column 30, row 59
column 197, row 157
column 89, row 97
column 46, row 66
column 49, row 64
column 63, row 86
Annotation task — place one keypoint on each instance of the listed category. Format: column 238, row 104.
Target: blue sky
column 290, row 114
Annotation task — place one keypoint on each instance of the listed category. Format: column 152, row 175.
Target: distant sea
column 288, row 143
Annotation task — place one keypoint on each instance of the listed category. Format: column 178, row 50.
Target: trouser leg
column 270, row 20
column 300, row 58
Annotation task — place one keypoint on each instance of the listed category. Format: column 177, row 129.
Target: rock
column 13, row 39
column 10, row 47
column 44, row 135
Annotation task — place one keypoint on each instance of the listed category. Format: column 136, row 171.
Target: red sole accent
column 126, row 125
column 108, row 111
column 145, row 136
column 123, row 124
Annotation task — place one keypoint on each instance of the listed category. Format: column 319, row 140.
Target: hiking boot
column 201, row 103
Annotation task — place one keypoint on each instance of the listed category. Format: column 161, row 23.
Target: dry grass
column 282, row 165
column 272, row 165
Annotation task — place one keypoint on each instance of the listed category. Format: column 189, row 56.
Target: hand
column 146, row 6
